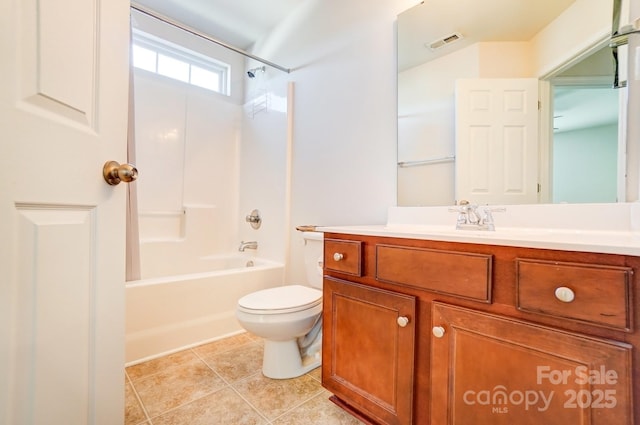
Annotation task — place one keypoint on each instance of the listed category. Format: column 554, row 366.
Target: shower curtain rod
column 195, row 32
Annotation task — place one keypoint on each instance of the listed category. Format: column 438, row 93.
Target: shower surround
column 205, row 161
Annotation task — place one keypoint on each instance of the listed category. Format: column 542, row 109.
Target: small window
column 204, row 78
column 173, row 68
column 144, row 58
column 164, row 58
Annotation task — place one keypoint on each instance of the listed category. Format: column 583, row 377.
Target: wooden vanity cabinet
column 441, row 333
column 498, row 371
column 371, row 354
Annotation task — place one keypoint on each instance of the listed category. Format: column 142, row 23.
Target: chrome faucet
column 248, row 245
column 472, row 217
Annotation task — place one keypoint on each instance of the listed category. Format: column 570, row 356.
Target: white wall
column 574, row 32
column 426, row 126
column 343, row 56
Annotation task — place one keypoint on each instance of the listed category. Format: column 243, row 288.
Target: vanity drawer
column 343, row 256
column 597, row 294
column 462, row 274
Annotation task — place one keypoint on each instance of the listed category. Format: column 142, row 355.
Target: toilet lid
column 283, row 299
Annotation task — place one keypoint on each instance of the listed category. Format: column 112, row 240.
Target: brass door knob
column 114, row 173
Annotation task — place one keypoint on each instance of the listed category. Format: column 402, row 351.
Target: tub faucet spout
column 248, row 245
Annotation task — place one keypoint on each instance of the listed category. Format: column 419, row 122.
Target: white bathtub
column 167, row 314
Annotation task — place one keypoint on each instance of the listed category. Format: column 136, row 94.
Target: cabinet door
column 490, row 370
column 368, row 349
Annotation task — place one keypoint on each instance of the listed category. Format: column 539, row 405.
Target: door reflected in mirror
column 577, row 148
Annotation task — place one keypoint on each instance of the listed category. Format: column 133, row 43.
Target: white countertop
column 600, row 228
column 626, row 243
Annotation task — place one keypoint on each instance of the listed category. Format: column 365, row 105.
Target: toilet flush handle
column 338, row 256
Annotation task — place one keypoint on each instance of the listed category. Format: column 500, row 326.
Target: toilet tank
column 313, row 250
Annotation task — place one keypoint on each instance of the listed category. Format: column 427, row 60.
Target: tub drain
column 249, row 263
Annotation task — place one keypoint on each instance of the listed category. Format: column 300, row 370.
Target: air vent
column 444, row 41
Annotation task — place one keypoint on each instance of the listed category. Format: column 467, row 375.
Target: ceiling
column 475, row 20
column 242, row 22
column 239, row 23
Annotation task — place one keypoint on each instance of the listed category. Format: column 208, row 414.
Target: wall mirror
column 562, row 45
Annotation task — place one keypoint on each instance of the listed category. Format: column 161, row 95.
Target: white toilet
column 289, row 318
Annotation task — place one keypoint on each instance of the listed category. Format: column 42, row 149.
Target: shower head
column 252, row 72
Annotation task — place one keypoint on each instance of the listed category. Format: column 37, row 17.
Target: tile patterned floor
column 222, row 383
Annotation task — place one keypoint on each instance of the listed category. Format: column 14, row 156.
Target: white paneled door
column 63, row 114
column 497, row 141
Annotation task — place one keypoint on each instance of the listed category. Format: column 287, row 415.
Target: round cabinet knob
column 438, row 331
column 114, row 173
column 337, row 256
column 403, row 321
column 564, row 294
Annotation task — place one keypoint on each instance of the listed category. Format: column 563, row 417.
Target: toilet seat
column 283, row 299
